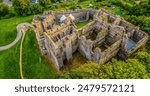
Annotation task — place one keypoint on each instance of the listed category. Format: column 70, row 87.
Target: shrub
column 131, row 69
column 45, row 3
column 123, row 4
column 36, row 8
column 22, row 7
column 142, row 9
column 3, row 9
column 144, row 58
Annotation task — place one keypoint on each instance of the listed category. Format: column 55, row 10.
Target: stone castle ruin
column 100, row 40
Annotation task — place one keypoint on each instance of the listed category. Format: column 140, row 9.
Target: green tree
column 45, row 3
column 22, row 7
column 78, row 73
column 142, row 9
column 131, row 69
column 54, row 1
column 36, row 8
column 3, row 9
column 144, row 58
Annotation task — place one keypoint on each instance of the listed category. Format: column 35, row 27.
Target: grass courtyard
column 81, row 24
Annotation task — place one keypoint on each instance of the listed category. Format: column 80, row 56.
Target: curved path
column 20, row 62
column 22, row 26
column 19, row 34
column 21, row 30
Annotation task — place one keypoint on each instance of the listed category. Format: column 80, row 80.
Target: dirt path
column 21, row 31
column 21, row 44
column 20, row 63
column 19, row 34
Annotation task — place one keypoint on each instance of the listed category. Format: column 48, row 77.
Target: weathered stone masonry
column 103, row 38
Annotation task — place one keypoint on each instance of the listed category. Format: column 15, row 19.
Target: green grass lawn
column 9, row 63
column 8, row 28
column 34, row 66
column 81, row 24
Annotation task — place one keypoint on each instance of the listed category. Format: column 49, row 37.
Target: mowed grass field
column 8, row 28
column 34, row 66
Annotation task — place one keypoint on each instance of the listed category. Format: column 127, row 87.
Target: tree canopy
column 22, row 7
column 144, row 58
column 141, row 9
column 3, row 9
column 45, row 3
column 130, row 69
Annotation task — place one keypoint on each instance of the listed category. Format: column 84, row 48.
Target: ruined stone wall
column 38, row 27
column 48, row 22
column 85, row 47
column 100, row 40
column 87, row 28
column 138, row 47
column 110, row 52
column 39, row 32
column 139, row 35
column 61, row 43
column 78, row 14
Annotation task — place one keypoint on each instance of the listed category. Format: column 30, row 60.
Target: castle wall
column 61, row 43
column 100, row 40
column 48, row 22
column 110, row 52
column 78, row 14
column 85, row 47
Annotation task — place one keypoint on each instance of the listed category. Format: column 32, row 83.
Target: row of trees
column 142, row 21
column 24, row 7
column 122, row 3
column 141, row 9
column 130, row 69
